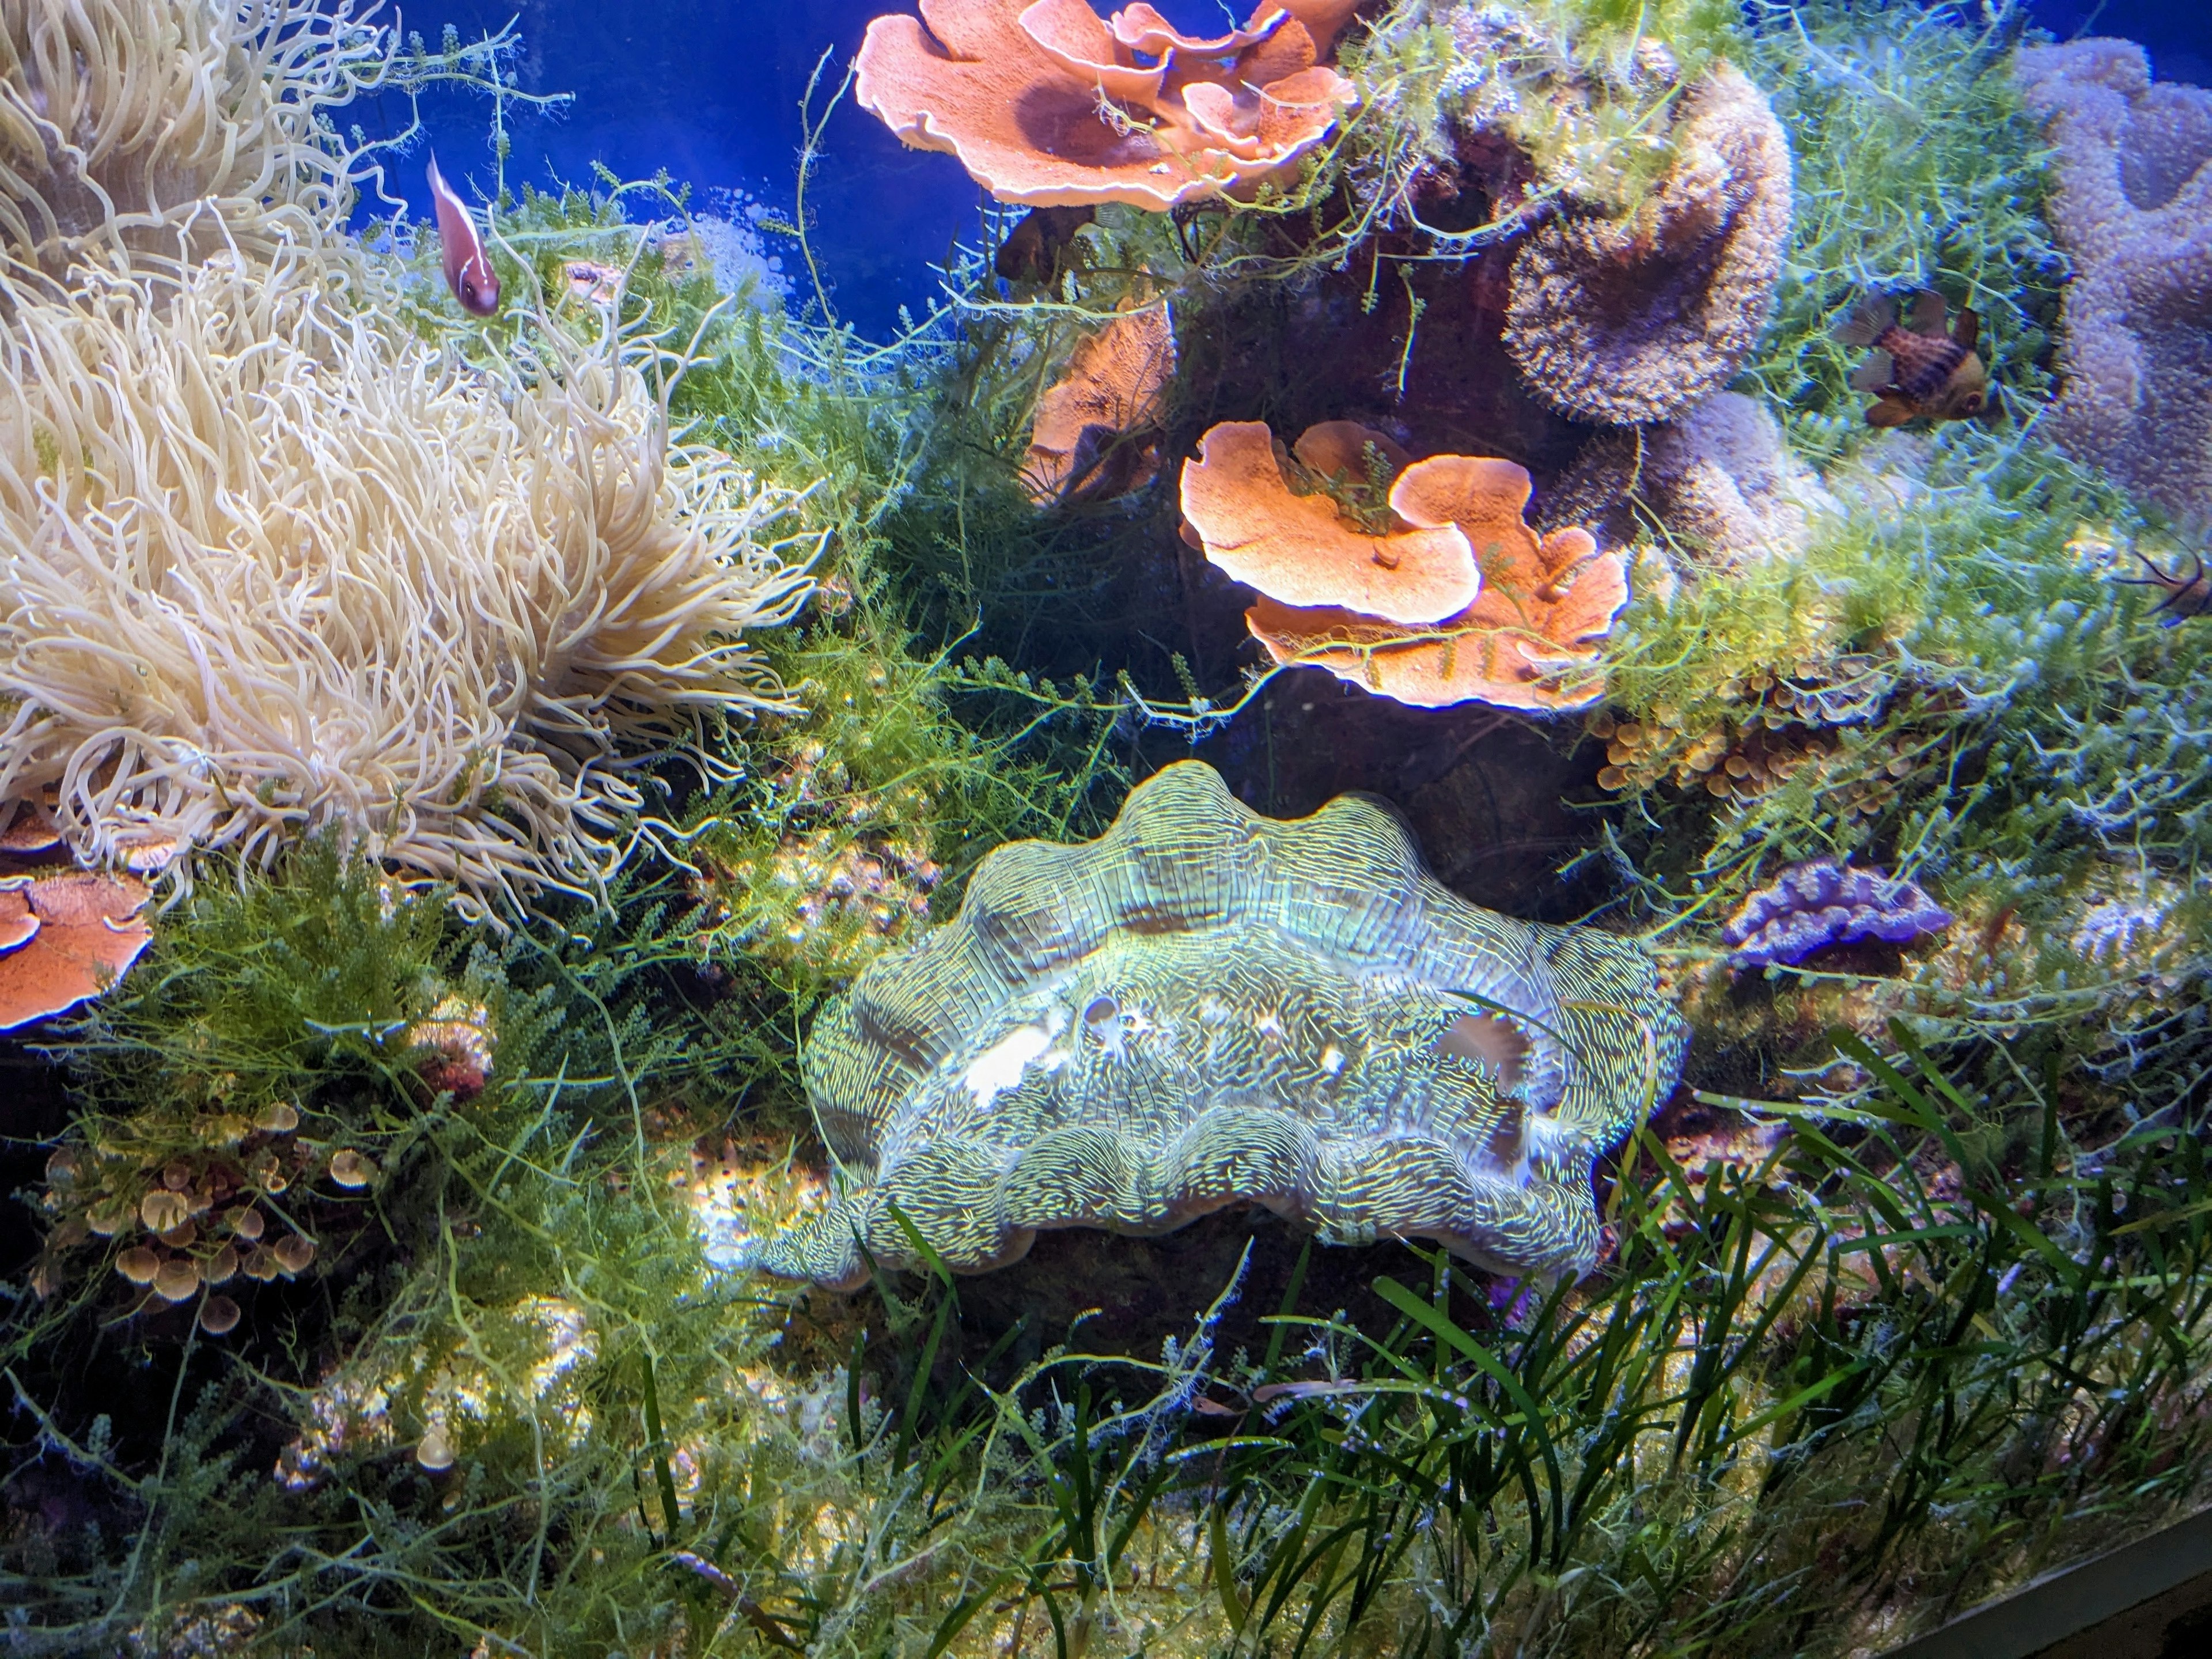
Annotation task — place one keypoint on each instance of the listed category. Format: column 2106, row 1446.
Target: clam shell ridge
column 1205, row 1007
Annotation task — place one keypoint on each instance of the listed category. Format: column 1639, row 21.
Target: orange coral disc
column 31, row 827
column 89, row 932
column 1527, row 642
column 1299, row 550
column 1113, row 386
column 1045, row 104
column 19, row 923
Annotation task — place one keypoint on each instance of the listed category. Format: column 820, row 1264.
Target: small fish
column 468, row 268
column 2189, row 596
column 1922, row 369
column 1036, row 249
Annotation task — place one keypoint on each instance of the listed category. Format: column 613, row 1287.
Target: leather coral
column 1049, row 104
column 2133, row 209
column 1439, row 593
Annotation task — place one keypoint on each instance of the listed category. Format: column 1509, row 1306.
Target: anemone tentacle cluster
column 1205, row 1007
column 275, row 563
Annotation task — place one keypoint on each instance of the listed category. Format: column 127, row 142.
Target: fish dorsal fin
column 1875, row 373
column 1969, row 328
column 1873, row 319
column 1930, row 316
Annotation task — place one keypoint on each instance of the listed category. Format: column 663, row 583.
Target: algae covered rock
column 1205, row 1007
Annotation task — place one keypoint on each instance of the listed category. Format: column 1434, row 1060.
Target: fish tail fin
column 1868, row 323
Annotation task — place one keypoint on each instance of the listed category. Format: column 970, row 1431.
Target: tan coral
column 64, row 938
column 1301, row 549
column 1049, row 104
column 1626, row 321
column 1095, row 432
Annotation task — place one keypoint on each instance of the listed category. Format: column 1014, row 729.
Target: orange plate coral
column 1050, row 105
column 1525, row 635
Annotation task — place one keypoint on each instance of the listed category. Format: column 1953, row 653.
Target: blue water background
column 710, row 90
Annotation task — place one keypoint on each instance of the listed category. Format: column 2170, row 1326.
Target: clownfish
column 468, row 268
column 1925, row 369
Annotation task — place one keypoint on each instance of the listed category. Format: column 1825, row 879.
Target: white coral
column 273, row 565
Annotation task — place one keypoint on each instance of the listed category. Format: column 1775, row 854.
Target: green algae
column 1917, row 165
column 1944, row 1337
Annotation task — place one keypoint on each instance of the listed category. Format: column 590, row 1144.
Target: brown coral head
column 1301, row 549
column 74, row 934
column 1625, row 321
column 1050, row 105
column 1092, row 439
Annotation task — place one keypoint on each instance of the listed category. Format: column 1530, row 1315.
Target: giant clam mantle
column 1204, row 1007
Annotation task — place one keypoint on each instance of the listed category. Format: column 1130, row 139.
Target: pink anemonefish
column 468, row 268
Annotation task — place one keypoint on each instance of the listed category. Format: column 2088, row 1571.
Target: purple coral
column 2133, row 209
column 1821, row 902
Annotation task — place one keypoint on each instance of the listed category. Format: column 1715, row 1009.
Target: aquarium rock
column 1820, row 902
column 1622, row 319
column 1205, row 1007
column 2133, row 209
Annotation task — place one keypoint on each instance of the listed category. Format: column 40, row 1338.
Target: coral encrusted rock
column 1205, row 1007
column 1621, row 320
column 2133, row 209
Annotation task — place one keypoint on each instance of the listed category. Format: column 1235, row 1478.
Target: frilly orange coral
column 1301, row 549
column 1088, row 440
column 1526, row 639
column 65, row 938
column 1048, row 104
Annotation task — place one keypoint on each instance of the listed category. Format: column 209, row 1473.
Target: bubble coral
column 1050, row 105
column 1205, row 1007
column 2132, row 208
column 1820, row 902
column 1622, row 320
column 1096, row 431
column 1381, row 604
